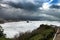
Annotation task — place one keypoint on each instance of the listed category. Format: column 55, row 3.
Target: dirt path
column 57, row 35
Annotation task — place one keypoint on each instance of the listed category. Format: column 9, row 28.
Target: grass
column 2, row 38
column 36, row 37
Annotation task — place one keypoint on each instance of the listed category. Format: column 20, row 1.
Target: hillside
column 44, row 32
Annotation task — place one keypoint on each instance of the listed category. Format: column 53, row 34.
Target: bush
column 1, row 32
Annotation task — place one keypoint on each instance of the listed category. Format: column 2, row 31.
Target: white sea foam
column 13, row 28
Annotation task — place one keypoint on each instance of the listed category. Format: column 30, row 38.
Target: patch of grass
column 2, row 38
column 37, row 37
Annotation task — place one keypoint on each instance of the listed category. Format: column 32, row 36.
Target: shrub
column 1, row 32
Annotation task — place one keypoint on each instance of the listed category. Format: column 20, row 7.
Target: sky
column 30, row 9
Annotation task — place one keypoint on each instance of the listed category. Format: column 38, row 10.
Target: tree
column 1, row 32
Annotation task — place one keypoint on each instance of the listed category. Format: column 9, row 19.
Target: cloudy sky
column 30, row 9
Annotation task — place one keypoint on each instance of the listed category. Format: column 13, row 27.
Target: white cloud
column 4, row 5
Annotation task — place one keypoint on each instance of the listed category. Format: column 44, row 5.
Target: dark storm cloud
column 25, row 4
column 29, row 6
column 13, row 13
column 18, row 10
column 55, row 6
column 0, row 0
column 22, row 14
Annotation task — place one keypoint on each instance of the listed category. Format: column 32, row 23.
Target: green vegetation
column 2, row 38
column 44, row 32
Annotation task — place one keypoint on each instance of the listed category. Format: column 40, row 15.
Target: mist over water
column 14, row 28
